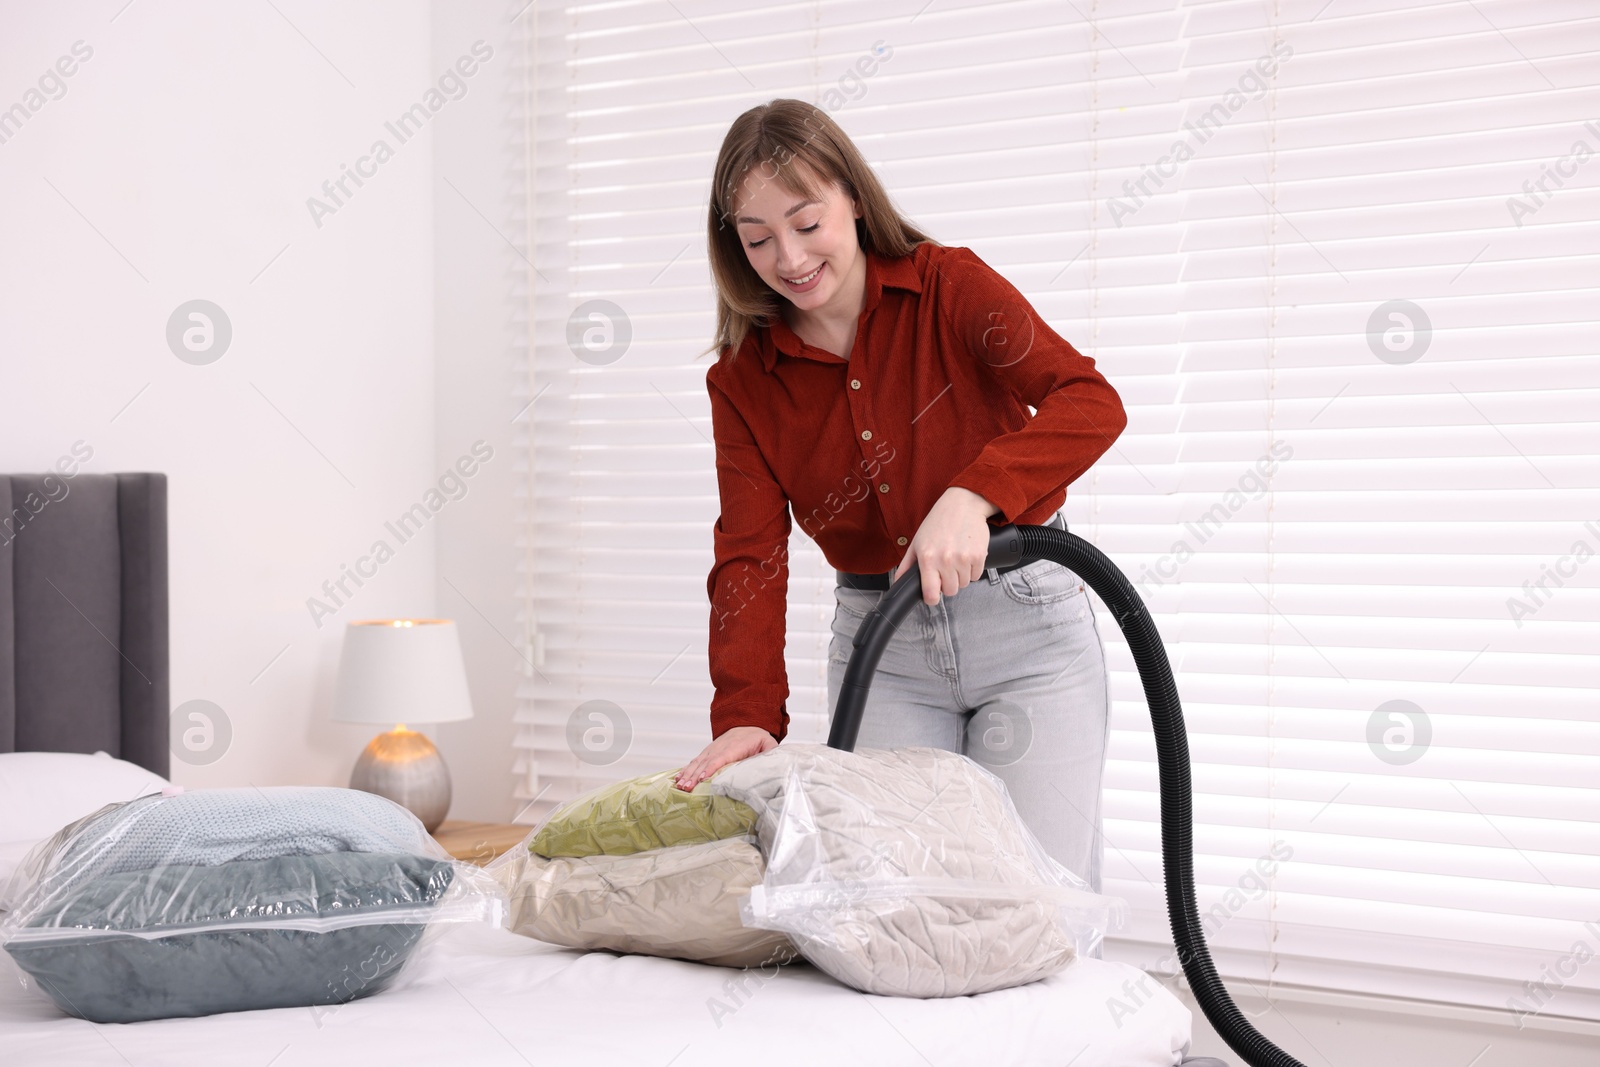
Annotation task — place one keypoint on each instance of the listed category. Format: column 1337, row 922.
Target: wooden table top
column 479, row 842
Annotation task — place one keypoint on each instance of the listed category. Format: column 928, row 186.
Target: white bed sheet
column 479, row 995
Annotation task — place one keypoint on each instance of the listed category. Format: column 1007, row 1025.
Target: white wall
column 368, row 353
column 177, row 165
column 477, row 294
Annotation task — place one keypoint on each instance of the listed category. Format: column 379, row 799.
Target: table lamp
column 398, row 671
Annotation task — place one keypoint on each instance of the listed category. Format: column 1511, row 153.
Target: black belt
column 880, row 581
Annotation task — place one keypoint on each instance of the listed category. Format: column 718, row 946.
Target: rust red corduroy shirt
column 948, row 356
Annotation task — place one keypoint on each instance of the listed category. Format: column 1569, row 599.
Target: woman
column 877, row 383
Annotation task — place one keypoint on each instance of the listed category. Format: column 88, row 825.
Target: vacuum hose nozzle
column 1009, row 545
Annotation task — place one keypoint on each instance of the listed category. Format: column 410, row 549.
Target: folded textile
column 908, row 872
column 204, row 827
column 638, row 814
column 681, row 901
column 289, row 931
column 190, row 903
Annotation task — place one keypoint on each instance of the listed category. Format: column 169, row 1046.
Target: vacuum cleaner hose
column 1011, row 544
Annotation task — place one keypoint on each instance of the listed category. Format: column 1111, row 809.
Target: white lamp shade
column 395, row 671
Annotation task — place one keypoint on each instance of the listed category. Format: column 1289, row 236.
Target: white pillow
column 11, row 856
column 40, row 792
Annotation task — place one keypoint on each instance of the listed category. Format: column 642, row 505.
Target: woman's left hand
column 951, row 544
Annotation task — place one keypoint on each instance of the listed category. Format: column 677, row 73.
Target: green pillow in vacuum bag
column 640, row 814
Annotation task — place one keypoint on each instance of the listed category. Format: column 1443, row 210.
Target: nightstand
column 479, row 842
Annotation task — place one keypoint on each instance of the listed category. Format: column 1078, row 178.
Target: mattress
column 480, row 995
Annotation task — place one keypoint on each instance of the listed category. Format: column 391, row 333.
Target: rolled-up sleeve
column 749, row 581
column 1078, row 413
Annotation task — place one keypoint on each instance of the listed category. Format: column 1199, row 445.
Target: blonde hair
column 794, row 143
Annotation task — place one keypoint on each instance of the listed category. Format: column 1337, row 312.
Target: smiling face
column 803, row 248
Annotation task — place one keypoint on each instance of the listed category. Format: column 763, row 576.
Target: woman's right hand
column 733, row 745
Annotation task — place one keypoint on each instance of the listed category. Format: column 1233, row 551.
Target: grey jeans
column 1011, row 672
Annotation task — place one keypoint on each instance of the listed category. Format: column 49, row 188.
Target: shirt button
column 855, row 383
column 884, row 487
column 900, row 541
column 866, row 435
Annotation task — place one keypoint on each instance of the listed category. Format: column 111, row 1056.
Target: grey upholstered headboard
column 83, row 615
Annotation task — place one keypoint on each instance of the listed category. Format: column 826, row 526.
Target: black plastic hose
column 1008, row 545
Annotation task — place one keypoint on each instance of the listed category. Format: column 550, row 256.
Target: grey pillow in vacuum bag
column 194, row 902
column 288, row 931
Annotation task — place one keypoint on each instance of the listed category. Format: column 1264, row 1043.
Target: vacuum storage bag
column 679, row 901
column 192, row 903
column 637, row 815
column 640, row 866
column 908, row 872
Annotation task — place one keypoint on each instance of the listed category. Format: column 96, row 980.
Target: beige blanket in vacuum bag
column 907, row 872
column 681, row 901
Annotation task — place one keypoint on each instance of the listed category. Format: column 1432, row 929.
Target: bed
column 84, row 668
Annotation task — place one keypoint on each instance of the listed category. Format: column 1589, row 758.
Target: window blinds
column 1338, row 258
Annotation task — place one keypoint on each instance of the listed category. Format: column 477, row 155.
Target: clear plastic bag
column 678, row 901
column 908, row 872
column 190, row 903
column 636, row 815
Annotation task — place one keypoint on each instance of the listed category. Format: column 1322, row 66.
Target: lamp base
column 405, row 767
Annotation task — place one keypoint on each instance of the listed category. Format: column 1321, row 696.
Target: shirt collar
column 899, row 273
